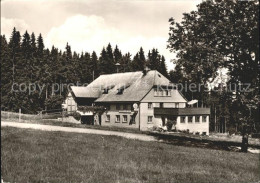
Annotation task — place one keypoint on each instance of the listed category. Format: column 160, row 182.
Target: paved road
column 142, row 137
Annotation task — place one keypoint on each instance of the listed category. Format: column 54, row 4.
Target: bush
column 76, row 116
column 169, row 124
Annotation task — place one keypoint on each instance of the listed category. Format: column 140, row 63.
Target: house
column 139, row 100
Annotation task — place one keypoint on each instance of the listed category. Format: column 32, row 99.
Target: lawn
column 38, row 156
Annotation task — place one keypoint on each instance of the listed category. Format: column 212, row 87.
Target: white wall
column 113, row 112
column 70, row 103
column 145, row 112
column 194, row 126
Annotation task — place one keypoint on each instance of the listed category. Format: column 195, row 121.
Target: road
column 141, row 137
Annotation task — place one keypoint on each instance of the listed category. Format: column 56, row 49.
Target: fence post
column 20, row 115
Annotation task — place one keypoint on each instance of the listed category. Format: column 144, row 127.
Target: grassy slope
column 37, row 156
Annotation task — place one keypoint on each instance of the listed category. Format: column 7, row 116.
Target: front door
column 87, row 120
column 163, row 121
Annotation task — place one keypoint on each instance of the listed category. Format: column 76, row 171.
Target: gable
column 175, row 97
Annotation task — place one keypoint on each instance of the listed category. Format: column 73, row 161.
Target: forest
column 220, row 34
column 29, row 71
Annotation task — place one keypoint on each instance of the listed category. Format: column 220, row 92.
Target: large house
column 139, row 100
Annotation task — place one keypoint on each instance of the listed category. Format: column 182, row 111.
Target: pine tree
column 102, row 61
column 127, row 62
column 139, row 61
column 94, row 65
column 110, row 62
column 154, row 59
column 40, row 45
column 163, row 67
column 6, row 73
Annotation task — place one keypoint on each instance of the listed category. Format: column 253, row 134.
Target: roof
column 85, row 92
column 135, row 86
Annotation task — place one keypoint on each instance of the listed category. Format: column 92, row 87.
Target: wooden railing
column 181, row 111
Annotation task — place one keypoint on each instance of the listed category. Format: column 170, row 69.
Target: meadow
column 39, row 156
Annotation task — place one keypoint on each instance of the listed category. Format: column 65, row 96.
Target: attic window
column 122, row 88
column 159, row 75
column 106, row 89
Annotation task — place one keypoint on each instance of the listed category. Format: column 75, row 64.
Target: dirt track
column 142, row 137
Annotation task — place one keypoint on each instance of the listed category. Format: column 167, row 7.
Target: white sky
column 88, row 25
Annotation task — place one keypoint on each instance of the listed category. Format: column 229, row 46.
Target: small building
column 141, row 100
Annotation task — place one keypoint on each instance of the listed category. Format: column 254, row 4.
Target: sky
column 89, row 25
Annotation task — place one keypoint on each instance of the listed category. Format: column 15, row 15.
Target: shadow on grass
column 199, row 141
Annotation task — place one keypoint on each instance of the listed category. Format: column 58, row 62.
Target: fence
column 41, row 116
column 18, row 116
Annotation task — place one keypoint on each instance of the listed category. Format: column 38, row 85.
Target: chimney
column 146, row 69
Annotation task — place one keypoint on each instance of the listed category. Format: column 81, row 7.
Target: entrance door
column 99, row 119
column 172, row 120
column 89, row 120
column 163, row 121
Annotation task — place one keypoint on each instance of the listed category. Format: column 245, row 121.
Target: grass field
column 38, row 156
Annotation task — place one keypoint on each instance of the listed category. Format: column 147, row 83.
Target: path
column 142, row 137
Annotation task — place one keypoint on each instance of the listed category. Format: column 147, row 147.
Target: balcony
column 181, row 111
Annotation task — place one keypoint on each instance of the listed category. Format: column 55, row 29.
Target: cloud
column 7, row 26
column 92, row 33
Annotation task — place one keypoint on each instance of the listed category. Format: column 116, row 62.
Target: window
column 204, row 118
column 124, row 118
column 164, row 92
column 150, row 105
column 117, row 106
column 107, row 118
column 117, row 118
column 177, row 105
column 190, row 119
column 161, row 93
column 150, row 119
column 183, row 119
column 108, row 107
column 197, row 119
column 132, row 119
column 168, row 93
column 155, row 92
column 161, row 105
column 124, row 107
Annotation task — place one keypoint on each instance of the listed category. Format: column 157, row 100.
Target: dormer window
column 106, row 89
column 121, row 89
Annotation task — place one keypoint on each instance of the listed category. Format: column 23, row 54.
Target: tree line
column 24, row 59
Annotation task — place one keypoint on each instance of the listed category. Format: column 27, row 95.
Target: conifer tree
column 139, row 61
column 163, row 67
